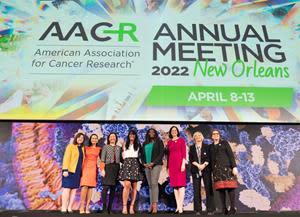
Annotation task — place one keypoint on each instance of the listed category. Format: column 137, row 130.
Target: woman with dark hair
column 89, row 173
column 152, row 153
column 111, row 157
column 72, row 164
column 176, row 149
column 224, row 170
column 130, row 172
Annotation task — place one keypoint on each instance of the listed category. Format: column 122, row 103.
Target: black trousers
column 111, row 196
column 207, row 180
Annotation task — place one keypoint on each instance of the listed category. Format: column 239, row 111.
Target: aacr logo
column 99, row 32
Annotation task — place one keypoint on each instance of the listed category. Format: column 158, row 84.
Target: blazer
column 157, row 153
column 71, row 158
column 205, row 157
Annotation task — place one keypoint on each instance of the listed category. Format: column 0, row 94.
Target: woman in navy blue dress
column 72, row 164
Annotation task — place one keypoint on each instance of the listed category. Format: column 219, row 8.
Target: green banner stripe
column 220, row 96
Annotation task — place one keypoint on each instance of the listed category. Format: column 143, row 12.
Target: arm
column 207, row 156
column 183, row 151
column 121, row 155
column 167, row 153
column 161, row 152
column 142, row 154
column 183, row 155
column 67, row 158
column 230, row 155
column 102, row 162
column 103, row 155
column 212, row 156
column 192, row 157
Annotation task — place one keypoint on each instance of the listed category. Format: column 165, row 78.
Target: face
column 151, row 133
column 80, row 139
column 112, row 139
column 198, row 137
column 131, row 137
column 174, row 132
column 94, row 139
column 215, row 135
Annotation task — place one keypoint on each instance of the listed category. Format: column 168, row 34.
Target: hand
column 182, row 169
column 146, row 165
column 103, row 173
column 235, row 171
column 201, row 167
column 65, row 174
column 151, row 165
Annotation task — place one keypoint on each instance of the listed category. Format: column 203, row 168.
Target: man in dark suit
column 199, row 156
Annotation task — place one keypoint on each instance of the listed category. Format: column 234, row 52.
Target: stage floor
column 76, row 214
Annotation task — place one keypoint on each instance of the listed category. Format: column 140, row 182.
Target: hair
column 147, row 137
column 76, row 137
column 199, row 133
column 136, row 142
column 170, row 135
column 90, row 140
column 110, row 135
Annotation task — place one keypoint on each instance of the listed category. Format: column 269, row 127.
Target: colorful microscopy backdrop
column 34, row 93
column 31, row 156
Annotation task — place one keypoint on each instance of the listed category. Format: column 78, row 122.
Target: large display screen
column 184, row 60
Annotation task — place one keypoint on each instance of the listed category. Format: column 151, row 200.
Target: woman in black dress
column 224, row 171
column 111, row 157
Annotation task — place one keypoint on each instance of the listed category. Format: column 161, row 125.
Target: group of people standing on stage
column 214, row 163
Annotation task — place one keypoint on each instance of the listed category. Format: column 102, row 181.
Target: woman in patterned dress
column 224, row 171
column 131, row 170
column 89, row 173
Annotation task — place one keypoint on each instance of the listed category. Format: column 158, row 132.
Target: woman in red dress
column 89, row 174
column 176, row 163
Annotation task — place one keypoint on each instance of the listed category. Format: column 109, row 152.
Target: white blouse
column 130, row 152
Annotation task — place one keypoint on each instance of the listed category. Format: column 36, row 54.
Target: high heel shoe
column 131, row 209
column 81, row 211
column 225, row 211
column 151, row 208
column 232, row 211
column 154, row 208
column 124, row 211
column 63, row 211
